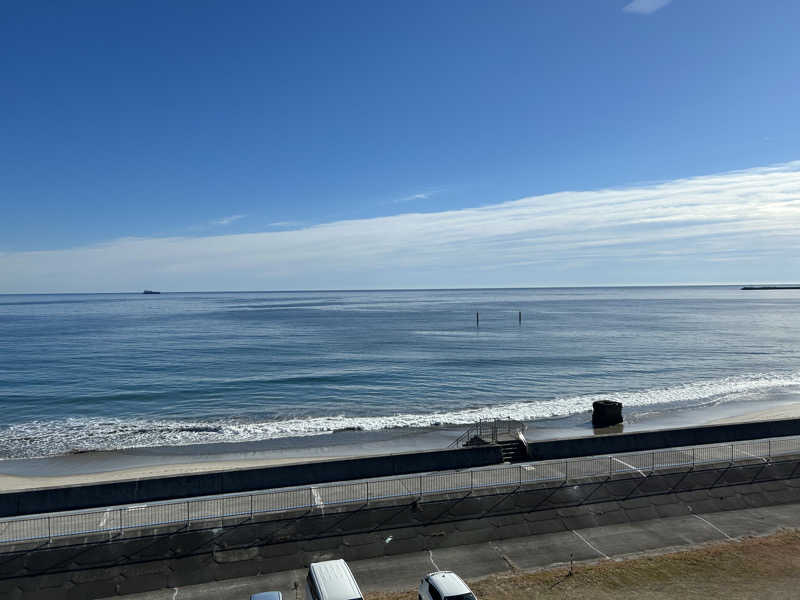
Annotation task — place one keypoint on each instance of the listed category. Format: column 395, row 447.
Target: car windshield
column 466, row 596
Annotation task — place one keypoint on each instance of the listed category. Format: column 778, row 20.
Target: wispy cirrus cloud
column 412, row 197
column 286, row 224
column 645, row 7
column 738, row 226
column 421, row 195
column 227, row 220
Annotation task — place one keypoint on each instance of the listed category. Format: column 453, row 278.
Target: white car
column 331, row 580
column 444, row 585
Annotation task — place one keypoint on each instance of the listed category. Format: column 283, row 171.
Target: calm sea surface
column 110, row 371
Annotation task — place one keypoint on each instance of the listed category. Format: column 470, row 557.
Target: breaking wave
column 43, row 438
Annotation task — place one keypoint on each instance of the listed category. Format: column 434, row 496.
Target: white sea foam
column 39, row 438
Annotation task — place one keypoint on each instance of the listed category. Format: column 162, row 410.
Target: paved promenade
column 128, row 517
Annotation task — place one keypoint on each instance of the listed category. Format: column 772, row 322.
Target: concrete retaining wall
column 242, row 480
column 100, row 566
column 665, row 438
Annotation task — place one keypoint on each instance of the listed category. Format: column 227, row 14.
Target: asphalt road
column 402, row 572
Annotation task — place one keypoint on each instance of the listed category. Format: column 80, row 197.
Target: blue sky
column 266, row 145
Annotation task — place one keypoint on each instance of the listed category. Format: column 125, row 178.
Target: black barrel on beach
column 606, row 413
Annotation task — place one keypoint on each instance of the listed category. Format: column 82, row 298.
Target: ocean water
column 112, row 371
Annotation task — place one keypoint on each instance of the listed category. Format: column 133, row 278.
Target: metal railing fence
column 119, row 519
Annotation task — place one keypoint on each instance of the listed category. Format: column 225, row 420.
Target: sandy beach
column 18, row 482
column 97, row 467
column 787, row 411
column 137, row 463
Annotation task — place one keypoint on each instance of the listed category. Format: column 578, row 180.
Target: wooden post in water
column 520, row 317
column 477, row 319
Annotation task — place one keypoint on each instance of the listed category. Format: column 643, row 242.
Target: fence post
column 731, row 462
column 609, row 465
column 121, row 526
column 368, row 491
column 251, row 506
column 471, row 480
column 187, row 513
column 420, row 487
column 519, row 475
column 693, row 461
column 769, row 449
column 49, row 530
column 566, row 470
column 652, row 462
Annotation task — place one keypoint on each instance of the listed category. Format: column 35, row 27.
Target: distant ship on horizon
column 150, row 292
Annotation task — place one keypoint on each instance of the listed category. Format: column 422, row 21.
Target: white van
column 331, row 580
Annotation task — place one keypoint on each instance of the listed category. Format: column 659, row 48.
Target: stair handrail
column 522, row 439
column 491, row 429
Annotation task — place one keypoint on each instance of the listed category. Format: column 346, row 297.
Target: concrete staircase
column 505, row 433
column 513, row 449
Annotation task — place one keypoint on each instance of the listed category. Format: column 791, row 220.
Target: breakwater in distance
column 771, row 287
column 113, row 371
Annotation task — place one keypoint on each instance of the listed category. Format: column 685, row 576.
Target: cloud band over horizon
column 733, row 227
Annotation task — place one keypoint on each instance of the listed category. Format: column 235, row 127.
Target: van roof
column 334, row 580
column 448, row 583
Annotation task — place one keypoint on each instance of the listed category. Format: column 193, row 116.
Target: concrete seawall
column 244, row 480
column 663, row 438
column 104, row 565
column 241, row 480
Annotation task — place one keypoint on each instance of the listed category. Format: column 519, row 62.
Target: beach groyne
column 137, row 491
column 103, row 565
column 618, row 443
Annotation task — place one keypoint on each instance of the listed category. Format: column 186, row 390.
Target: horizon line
column 409, row 289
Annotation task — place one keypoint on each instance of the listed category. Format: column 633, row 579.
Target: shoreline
column 136, row 463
